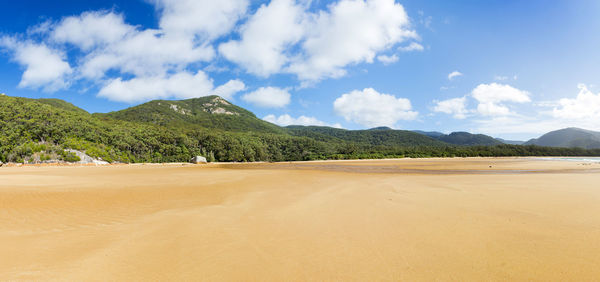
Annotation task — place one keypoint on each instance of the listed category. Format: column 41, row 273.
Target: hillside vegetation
column 462, row 138
column 211, row 112
column 569, row 137
column 174, row 131
column 375, row 137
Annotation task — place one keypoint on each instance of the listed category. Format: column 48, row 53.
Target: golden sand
column 433, row 219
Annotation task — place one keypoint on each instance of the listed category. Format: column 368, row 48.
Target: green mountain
column 57, row 103
column 468, row 139
column 381, row 136
column 38, row 130
column 461, row 138
column 35, row 130
column 569, row 137
column 205, row 112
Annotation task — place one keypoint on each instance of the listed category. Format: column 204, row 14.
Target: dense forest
column 173, row 131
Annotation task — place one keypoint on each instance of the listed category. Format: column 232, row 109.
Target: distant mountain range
column 462, row 138
column 48, row 130
column 568, row 137
column 565, row 138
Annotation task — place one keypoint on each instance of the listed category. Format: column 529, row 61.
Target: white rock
column 199, row 160
column 85, row 159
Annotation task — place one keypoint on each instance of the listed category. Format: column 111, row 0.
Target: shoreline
column 65, row 164
column 404, row 166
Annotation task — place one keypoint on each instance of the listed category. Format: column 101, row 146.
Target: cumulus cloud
column 265, row 36
column 111, row 49
column 371, row 108
column 279, row 37
column 582, row 111
column 181, row 85
column 586, row 105
column 91, row 29
column 229, row 89
column 352, row 31
column 284, row 37
column 207, row 19
column 45, row 68
column 492, row 98
column 454, row 106
column 413, row 46
column 145, row 53
column 108, row 43
column 454, row 74
column 386, row 60
column 285, row 120
column 268, row 97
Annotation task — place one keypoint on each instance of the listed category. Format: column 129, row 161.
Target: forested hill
column 462, row 138
column 205, row 112
column 377, row 136
column 569, row 137
column 33, row 131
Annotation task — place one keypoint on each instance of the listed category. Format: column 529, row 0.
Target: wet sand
column 425, row 219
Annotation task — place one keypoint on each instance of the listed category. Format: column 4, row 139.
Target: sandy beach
column 375, row 220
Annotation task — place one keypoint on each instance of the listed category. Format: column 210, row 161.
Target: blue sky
column 519, row 68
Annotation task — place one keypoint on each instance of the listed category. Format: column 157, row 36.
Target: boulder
column 199, row 160
column 85, row 159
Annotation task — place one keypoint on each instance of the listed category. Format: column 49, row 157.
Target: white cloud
column 371, row 108
column 491, row 98
column 145, row 53
column 268, row 97
column 413, row 46
column 108, row 43
column 583, row 111
column 351, row 32
column 91, row 29
column 181, row 85
column 454, row 74
column 285, row 120
column 586, row 105
column 518, row 125
column 44, row 67
column 207, row 19
column 229, row 89
column 265, row 36
column 283, row 36
column 455, row 107
column 386, row 60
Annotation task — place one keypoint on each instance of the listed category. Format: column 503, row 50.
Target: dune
column 417, row 220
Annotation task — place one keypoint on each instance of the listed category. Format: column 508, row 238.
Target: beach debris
column 199, row 160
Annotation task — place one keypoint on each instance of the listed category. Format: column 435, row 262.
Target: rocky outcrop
column 85, row 159
column 199, row 160
column 179, row 110
column 214, row 107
